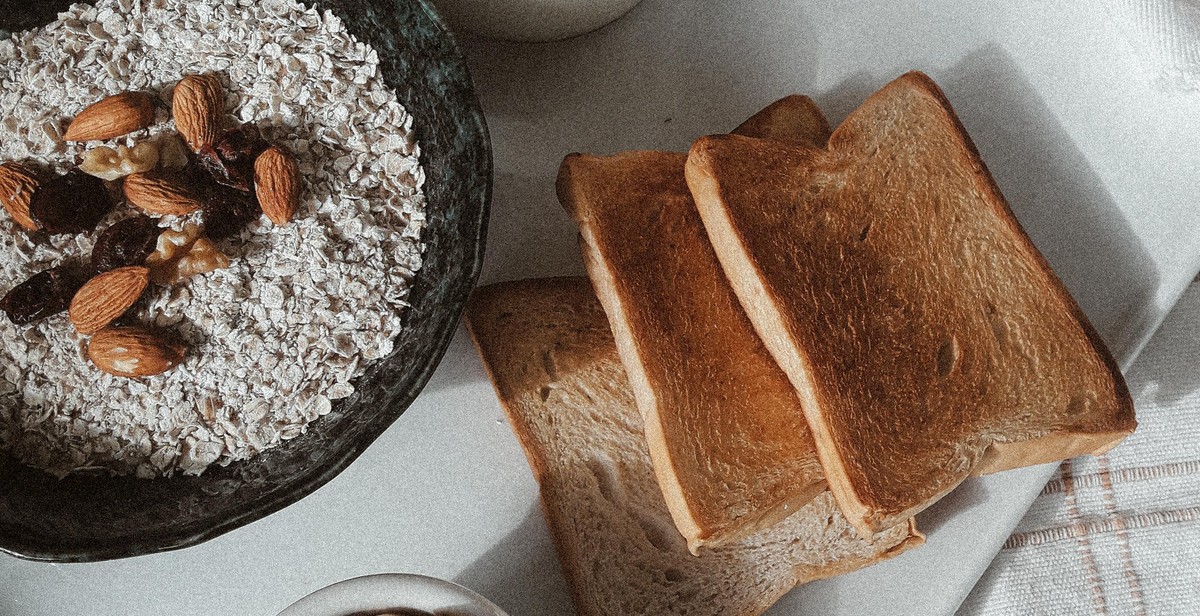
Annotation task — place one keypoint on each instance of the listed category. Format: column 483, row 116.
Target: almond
column 107, row 296
column 277, row 184
column 160, row 195
column 114, row 116
column 197, row 106
column 133, row 352
column 17, row 184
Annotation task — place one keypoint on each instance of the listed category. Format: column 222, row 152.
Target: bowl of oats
column 237, row 238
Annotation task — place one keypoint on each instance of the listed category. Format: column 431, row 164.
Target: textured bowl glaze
column 87, row 518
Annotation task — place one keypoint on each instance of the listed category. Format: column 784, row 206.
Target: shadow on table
column 459, row 366
column 521, row 573
column 970, row 493
column 1168, row 370
column 537, row 237
column 638, row 83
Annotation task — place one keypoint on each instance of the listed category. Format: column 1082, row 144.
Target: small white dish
column 399, row 594
column 532, row 21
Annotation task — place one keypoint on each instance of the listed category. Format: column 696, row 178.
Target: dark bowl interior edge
column 368, row 24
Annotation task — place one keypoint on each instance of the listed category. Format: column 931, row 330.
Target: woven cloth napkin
column 1166, row 36
column 1119, row 533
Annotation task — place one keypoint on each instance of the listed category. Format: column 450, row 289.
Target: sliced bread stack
column 725, row 429
column 787, row 310
column 551, row 355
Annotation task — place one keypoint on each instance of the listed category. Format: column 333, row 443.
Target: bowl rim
column 377, row 591
column 312, row 479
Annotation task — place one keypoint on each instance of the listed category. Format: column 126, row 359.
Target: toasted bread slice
column 794, row 118
column 927, row 337
column 726, row 433
column 550, row 353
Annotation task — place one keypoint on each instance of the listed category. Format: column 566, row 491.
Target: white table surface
column 1102, row 171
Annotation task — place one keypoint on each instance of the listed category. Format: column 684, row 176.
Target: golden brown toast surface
column 729, row 441
column 927, row 337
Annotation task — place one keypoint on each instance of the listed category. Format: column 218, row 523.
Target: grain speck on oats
column 301, row 309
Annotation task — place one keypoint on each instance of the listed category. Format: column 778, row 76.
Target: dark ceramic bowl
column 96, row 518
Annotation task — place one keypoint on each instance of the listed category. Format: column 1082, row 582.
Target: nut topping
column 106, row 297
column 17, row 185
column 109, row 164
column 183, row 254
column 198, row 105
column 203, row 257
column 133, row 351
column 173, row 244
column 160, row 194
column 110, row 117
column 277, row 184
column 229, row 174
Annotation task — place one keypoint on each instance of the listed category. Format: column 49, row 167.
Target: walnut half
column 183, row 254
column 110, row 164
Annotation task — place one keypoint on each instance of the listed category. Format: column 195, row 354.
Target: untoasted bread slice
column 729, row 441
column 927, row 337
column 550, row 353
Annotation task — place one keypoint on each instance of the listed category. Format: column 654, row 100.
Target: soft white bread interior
column 926, row 335
column 551, row 356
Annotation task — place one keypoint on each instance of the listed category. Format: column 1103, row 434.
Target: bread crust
column 889, row 278
column 730, row 445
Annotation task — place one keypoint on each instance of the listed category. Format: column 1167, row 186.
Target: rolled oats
column 300, row 310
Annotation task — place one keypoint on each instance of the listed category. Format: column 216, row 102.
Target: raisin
column 227, row 211
column 127, row 242
column 231, row 158
column 45, row 294
column 71, row 203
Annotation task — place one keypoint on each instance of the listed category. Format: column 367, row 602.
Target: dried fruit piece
column 110, row 117
column 71, row 203
column 109, row 164
column 17, row 185
column 227, row 211
column 277, row 184
column 133, row 351
column 44, row 294
column 161, row 194
column 127, row 242
column 107, row 296
column 231, row 158
column 197, row 107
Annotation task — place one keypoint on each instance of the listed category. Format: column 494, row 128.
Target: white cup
column 394, row 593
column 532, row 20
